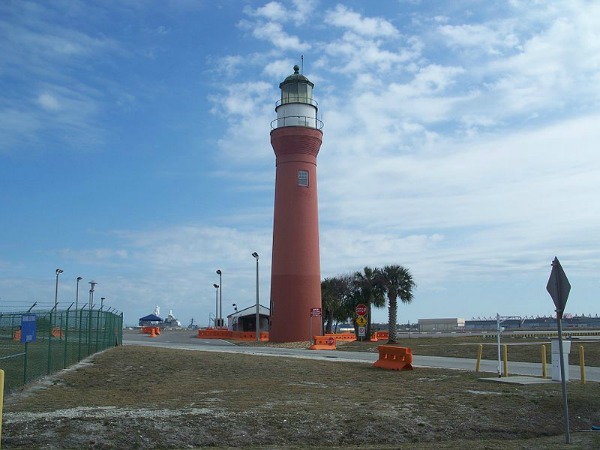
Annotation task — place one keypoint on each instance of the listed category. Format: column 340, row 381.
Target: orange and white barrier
column 394, row 358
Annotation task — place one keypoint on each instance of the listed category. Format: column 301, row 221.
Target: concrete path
column 187, row 341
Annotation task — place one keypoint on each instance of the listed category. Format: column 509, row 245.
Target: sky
column 460, row 141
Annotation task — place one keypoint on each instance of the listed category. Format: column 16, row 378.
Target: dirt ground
column 140, row 397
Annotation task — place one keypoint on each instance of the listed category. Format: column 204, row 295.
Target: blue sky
column 460, row 140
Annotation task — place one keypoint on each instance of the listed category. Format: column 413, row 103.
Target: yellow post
column 544, row 370
column 505, row 357
column 582, row 364
column 1, row 402
column 479, row 353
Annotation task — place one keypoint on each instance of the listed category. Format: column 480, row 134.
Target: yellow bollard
column 479, row 353
column 1, row 402
column 544, row 370
column 582, row 364
column 505, row 357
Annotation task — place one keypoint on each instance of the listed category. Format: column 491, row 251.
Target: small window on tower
column 303, row 178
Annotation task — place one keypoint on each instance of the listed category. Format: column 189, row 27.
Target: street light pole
column 77, row 293
column 220, row 316
column 257, row 301
column 92, row 285
column 216, row 286
column 102, row 302
column 58, row 272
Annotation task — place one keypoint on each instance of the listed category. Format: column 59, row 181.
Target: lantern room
column 296, row 108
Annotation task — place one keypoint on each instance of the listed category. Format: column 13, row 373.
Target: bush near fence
column 63, row 338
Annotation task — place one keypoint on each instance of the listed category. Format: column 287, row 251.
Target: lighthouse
column 296, row 268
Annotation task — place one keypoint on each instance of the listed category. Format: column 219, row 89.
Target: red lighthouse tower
column 296, row 268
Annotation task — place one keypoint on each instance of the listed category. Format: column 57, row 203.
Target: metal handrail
column 296, row 99
column 312, row 120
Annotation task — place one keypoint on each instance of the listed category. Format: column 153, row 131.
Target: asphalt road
column 187, row 340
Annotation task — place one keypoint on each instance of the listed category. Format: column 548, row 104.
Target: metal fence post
column 50, row 343
column 97, row 330
column 66, row 336
column 78, row 327
column 25, row 365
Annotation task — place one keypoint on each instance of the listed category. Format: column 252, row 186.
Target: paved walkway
column 186, row 341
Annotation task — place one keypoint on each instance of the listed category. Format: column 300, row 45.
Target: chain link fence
column 62, row 338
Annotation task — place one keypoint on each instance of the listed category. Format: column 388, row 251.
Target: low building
column 451, row 324
column 245, row 319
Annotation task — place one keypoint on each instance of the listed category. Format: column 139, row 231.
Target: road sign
column 362, row 331
column 315, row 312
column 330, row 341
column 558, row 287
column 361, row 309
column 28, row 328
column 361, row 321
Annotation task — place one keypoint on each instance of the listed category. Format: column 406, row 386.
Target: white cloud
column 540, row 64
column 243, row 99
column 51, row 94
column 277, row 12
column 273, row 32
column 48, row 102
column 279, row 69
column 344, row 17
column 479, row 38
column 230, row 65
column 274, row 11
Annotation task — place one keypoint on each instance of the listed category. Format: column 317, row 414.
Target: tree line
column 372, row 286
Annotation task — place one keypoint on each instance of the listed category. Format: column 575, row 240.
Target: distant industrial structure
column 485, row 324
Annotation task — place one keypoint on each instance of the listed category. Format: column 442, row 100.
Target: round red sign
column 361, row 309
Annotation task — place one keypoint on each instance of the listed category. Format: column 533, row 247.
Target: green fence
column 62, row 339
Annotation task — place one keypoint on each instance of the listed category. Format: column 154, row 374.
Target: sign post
column 314, row 312
column 28, row 334
column 559, row 287
column 361, row 311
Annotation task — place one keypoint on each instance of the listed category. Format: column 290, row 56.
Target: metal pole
column 563, row 380
column 80, row 331
column 92, row 284
column 220, row 297
column 257, row 301
column 498, row 332
column 216, row 286
column 58, row 271
column 77, row 293
column 66, row 336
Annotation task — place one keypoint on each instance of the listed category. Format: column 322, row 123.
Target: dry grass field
column 140, row 397
column 519, row 349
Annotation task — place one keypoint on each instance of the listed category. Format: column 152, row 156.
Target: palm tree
column 397, row 282
column 369, row 291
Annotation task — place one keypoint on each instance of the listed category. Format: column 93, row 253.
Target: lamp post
column 102, row 302
column 216, row 286
column 220, row 312
column 92, row 285
column 77, row 293
column 58, row 272
column 257, row 301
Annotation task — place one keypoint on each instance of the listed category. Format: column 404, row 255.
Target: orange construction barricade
column 394, row 358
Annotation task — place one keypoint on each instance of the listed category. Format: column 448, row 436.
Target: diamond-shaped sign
column 558, row 286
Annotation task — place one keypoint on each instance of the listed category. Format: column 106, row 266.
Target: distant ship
column 171, row 321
